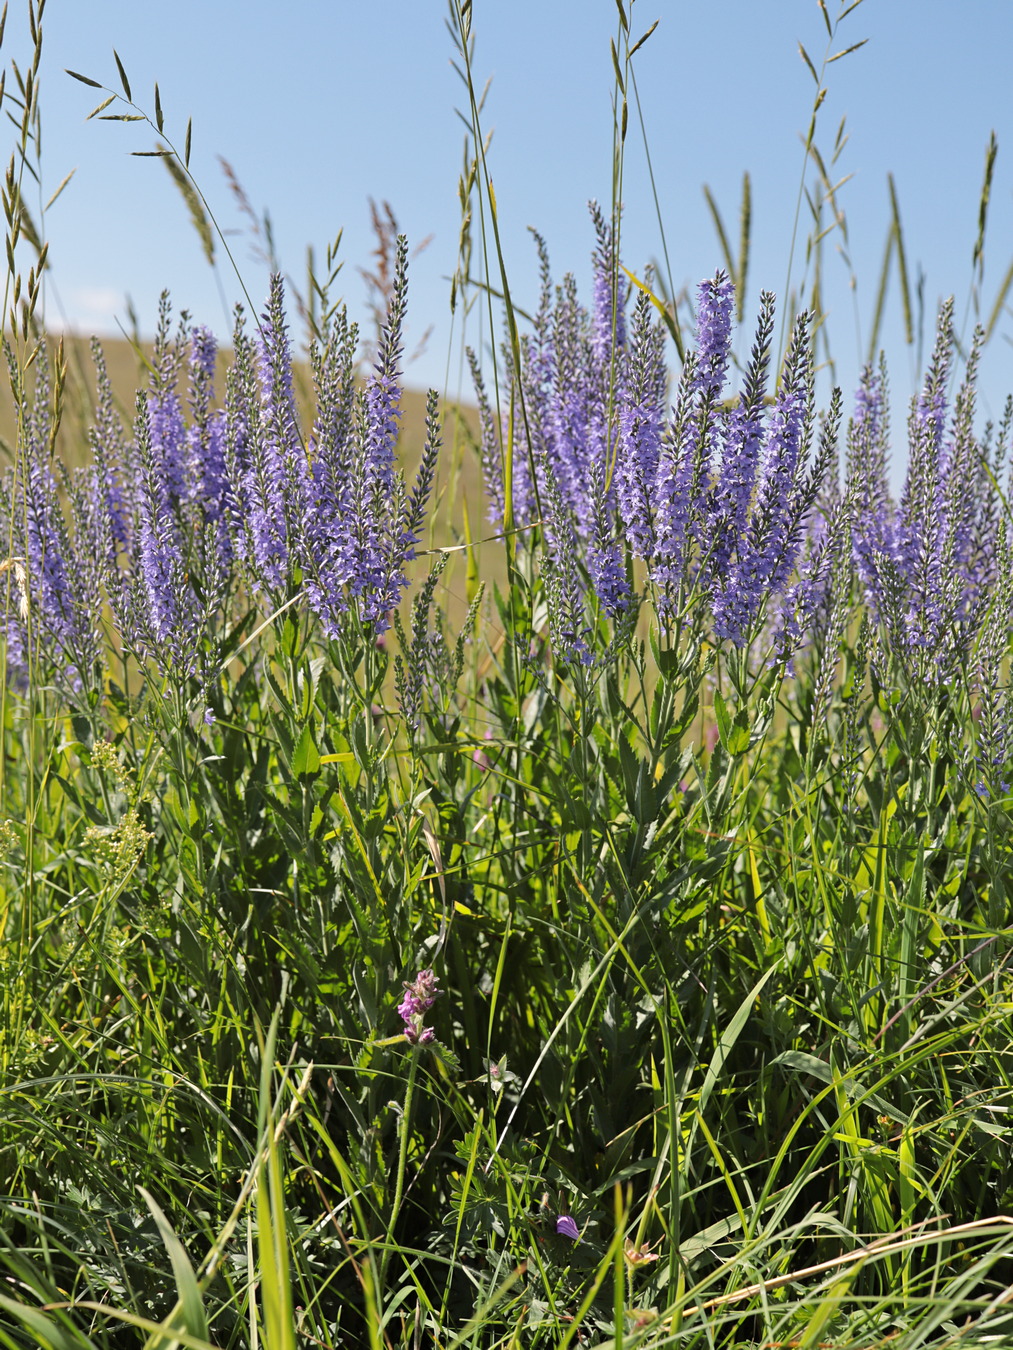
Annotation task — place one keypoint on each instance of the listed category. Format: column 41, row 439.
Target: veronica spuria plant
column 633, row 943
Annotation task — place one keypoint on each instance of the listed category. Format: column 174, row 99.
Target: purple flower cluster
column 714, row 495
column 198, row 503
column 52, row 603
column 720, row 497
column 420, row 995
column 928, row 563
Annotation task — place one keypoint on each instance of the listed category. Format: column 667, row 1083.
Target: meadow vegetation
column 616, row 954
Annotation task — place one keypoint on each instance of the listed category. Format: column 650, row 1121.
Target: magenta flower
column 420, row 995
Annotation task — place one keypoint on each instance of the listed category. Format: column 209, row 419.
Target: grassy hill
column 458, row 490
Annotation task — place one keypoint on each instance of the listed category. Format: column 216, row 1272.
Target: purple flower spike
column 420, row 995
column 716, row 300
column 566, row 1227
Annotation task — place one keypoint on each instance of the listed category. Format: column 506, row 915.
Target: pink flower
column 420, row 995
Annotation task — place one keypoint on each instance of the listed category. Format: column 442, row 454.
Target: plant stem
column 402, row 1162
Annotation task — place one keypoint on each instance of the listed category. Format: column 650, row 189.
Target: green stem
column 402, row 1163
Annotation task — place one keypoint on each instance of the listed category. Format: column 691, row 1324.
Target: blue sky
column 319, row 105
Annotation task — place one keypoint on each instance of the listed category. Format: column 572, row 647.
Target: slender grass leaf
column 50, row 1334
column 884, row 277
column 615, row 66
column 991, row 150
column 847, row 51
column 1000, row 301
column 158, row 110
column 812, row 69
column 190, row 1307
column 273, row 1251
column 745, row 235
column 728, row 1038
column 726, row 248
column 92, row 84
column 658, row 303
column 56, row 194
column 102, row 106
column 905, row 290
column 827, row 1308
column 123, row 76
column 641, row 40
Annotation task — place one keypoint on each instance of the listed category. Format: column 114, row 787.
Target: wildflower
column 774, row 539
column 641, row 418
column 567, row 625
column 420, row 995
column 51, row 576
column 165, row 609
column 608, row 331
column 729, row 502
column 325, row 555
column 716, row 299
column 566, row 1227
column 275, row 444
column 605, row 562
column 492, row 469
column 868, row 448
column 639, row 1256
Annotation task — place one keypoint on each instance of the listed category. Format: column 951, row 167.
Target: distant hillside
column 458, row 484
column 128, row 374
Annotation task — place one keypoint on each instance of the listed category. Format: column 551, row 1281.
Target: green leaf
column 728, row 1038
column 56, row 194
column 641, row 40
column 847, row 50
column 306, row 756
column 102, row 106
column 734, row 731
column 123, row 76
column 726, row 248
column 49, row 1333
column 721, row 713
column 188, row 1315
column 92, row 84
column 80, row 802
column 615, row 67
column 905, row 290
column 812, row 69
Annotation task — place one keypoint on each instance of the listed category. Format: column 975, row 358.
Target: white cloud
column 87, row 310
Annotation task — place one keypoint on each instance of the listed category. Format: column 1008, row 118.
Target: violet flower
column 608, row 328
column 420, row 995
column 276, row 471
column 774, row 537
column 641, row 419
column 735, row 484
